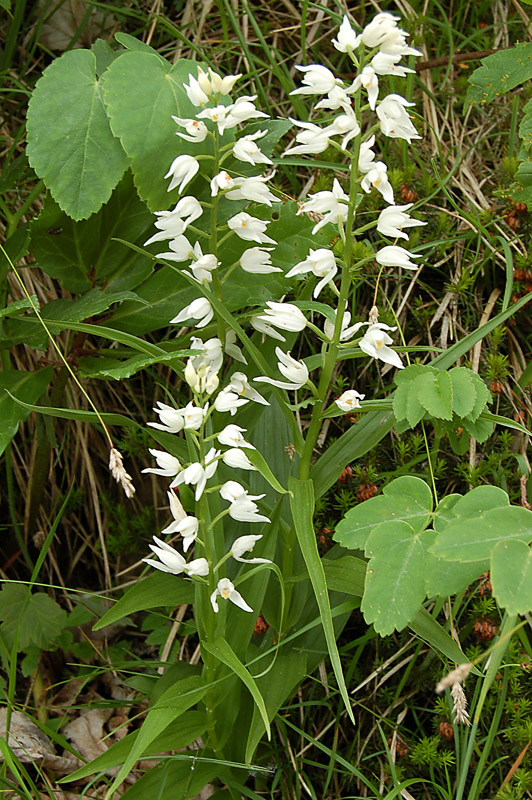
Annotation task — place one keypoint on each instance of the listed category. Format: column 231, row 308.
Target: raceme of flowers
column 376, row 51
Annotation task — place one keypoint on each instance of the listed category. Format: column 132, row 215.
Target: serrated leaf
column 406, row 406
column 500, row 73
column 463, row 541
column 480, row 430
column 158, row 589
column 28, row 386
column 394, row 587
column 464, row 392
column 408, row 374
column 36, row 617
column 142, row 91
column 435, row 394
column 511, row 576
column 407, row 498
column 70, row 144
column 482, row 397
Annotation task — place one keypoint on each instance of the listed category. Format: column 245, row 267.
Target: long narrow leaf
column 302, row 504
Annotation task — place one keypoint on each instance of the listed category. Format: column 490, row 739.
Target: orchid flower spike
column 227, row 591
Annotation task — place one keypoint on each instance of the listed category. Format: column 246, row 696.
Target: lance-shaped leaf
column 70, row 144
column 142, row 91
column 28, row 386
column 395, row 586
column 511, row 576
column 406, row 498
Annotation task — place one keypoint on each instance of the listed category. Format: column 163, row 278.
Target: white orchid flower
column 173, row 562
column 222, row 85
column 167, row 465
column 394, row 118
column 349, row 400
column 236, row 458
column 240, row 385
column 333, row 204
column 295, row 371
column 252, row 189
column 196, row 131
column 317, row 79
column 227, row 400
column 375, row 344
column 195, row 93
column 243, row 545
column 245, row 149
column 393, row 219
column 369, row 81
column 395, row 256
column 187, row 527
column 202, row 265
column 242, row 110
column 346, row 332
column 172, row 419
column 385, row 64
column 198, row 475
column 366, row 157
column 257, row 261
column 381, row 26
column 175, row 222
column 337, row 98
column 345, row 125
column 227, row 591
column 182, row 170
column 199, row 309
column 231, row 347
column 221, row 181
column 231, row 436
column 180, row 248
column 249, row 228
column 217, row 115
column 347, row 38
column 377, row 176
column 312, row 139
column 285, row 316
column 321, row 263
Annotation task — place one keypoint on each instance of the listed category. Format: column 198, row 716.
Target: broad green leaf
column 464, row 392
column 444, row 578
column 179, row 733
column 444, row 512
column 511, row 576
column 88, row 305
column 346, row 574
column 169, row 707
column 13, row 309
column 70, row 144
column 158, row 589
column 408, row 374
column 35, row 616
column 179, row 778
column 473, row 539
column 302, row 505
column 394, row 588
column 277, row 686
column 480, row 430
column 28, row 386
column 500, row 73
column 435, row 393
column 406, row 406
column 407, row 498
column 478, row 500
column 142, row 91
column 223, row 652
column 84, row 254
column 482, row 397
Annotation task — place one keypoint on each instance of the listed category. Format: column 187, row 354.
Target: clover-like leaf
column 511, row 576
column 464, row 391
column 407, row 498
column 474, row 538
column 70, row 144
column 435, row 394
column 37, row 617
column 394, row 588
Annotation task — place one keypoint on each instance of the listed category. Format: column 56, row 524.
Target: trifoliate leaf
column 38, row 618
column 511, row 576
column 435, row 394
column 407, row 498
